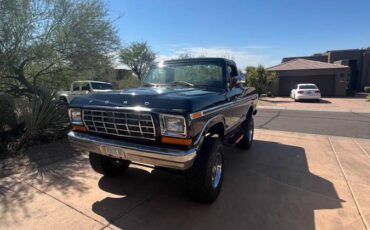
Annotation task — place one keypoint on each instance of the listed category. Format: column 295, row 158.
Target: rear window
column 307, row 87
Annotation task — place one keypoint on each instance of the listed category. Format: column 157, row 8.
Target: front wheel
column 248, row 134
column 204, row 178
column 108, row 166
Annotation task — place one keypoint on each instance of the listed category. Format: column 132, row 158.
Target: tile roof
column 303, row 64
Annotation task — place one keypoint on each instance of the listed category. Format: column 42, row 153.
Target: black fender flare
column 209, row 124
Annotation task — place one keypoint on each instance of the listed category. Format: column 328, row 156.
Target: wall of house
column 365, row 76
column 361, row 56
column 358, row 56
column 340, row 82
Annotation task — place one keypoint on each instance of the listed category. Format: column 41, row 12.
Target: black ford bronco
column 179, row 118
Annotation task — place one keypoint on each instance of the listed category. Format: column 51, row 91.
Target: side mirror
column 237, row 80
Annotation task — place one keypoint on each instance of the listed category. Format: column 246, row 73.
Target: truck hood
column 157, row 98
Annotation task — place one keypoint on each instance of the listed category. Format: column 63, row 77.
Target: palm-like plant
column 44, row 117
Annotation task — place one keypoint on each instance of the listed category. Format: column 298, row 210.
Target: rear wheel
column 248, row 133
column 106, row 165
column 204, row 178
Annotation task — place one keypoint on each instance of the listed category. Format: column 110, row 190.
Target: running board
column 236, row 138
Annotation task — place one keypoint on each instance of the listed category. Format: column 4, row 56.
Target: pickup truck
column 180, row 118
column 84, row 88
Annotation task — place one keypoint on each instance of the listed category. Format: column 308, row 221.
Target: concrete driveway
column 286, row 181
column 345, row 124
column 345, row 104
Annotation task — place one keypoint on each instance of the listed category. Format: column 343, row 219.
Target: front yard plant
column 367, row 89
column 38, row 119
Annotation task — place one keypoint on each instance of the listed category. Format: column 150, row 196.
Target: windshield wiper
column 184, row 83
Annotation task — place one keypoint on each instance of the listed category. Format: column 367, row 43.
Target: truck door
column 236, row 110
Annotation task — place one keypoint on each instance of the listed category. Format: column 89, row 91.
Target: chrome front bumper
column 147, row 154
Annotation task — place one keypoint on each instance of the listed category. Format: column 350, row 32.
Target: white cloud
column 243, row 56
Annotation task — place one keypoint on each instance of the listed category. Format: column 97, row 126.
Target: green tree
column 42, row 41
column 257, row 77
column 138, row 56
column 185, row 56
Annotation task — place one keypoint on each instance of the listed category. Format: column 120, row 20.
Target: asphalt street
column 345, row 124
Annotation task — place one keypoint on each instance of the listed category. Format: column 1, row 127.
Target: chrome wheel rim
column 217, row 171
column 116, row 162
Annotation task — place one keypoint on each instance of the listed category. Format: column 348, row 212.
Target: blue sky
column 250, row 32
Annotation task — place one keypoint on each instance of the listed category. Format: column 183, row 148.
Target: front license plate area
column 114, row 151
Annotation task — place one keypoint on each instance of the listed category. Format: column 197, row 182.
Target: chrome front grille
column 125, row 124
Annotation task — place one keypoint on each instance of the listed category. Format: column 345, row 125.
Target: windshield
column 98, row 85
column 186, row 74
column 307, row 87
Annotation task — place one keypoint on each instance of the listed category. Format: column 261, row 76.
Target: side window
column 85, row 86
column 231, row 71
column 76, row 87
column 228, row 69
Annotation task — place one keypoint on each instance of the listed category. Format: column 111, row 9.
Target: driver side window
column 231, row 71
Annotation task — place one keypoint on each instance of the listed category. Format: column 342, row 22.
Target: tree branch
column 40, row 73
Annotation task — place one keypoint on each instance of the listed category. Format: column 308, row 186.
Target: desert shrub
column 269, row 94
column 261, row 79
column 132, row 82
column 7, row 112
column 350, row 92
column 45, row 118
column 367, row 89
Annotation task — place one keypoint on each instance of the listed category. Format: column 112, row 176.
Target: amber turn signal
column 196, row 115
column 79, row 128
column 176, row 141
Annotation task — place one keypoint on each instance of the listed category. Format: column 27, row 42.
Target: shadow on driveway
column 19, row 194
column 267, row 187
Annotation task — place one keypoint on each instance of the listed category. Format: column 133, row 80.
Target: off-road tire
column 107, row 166
column 199, row 181
column 247, row 140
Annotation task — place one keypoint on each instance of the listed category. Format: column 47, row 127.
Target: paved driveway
column 345, row 104
column 347, row 124
column 286, row 181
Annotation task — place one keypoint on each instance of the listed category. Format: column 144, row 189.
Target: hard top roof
column 201, row 59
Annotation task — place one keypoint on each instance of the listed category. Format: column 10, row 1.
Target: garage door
column 326, row 83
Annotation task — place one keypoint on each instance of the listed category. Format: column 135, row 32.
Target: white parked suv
column 305, row 91
column 79, row 88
